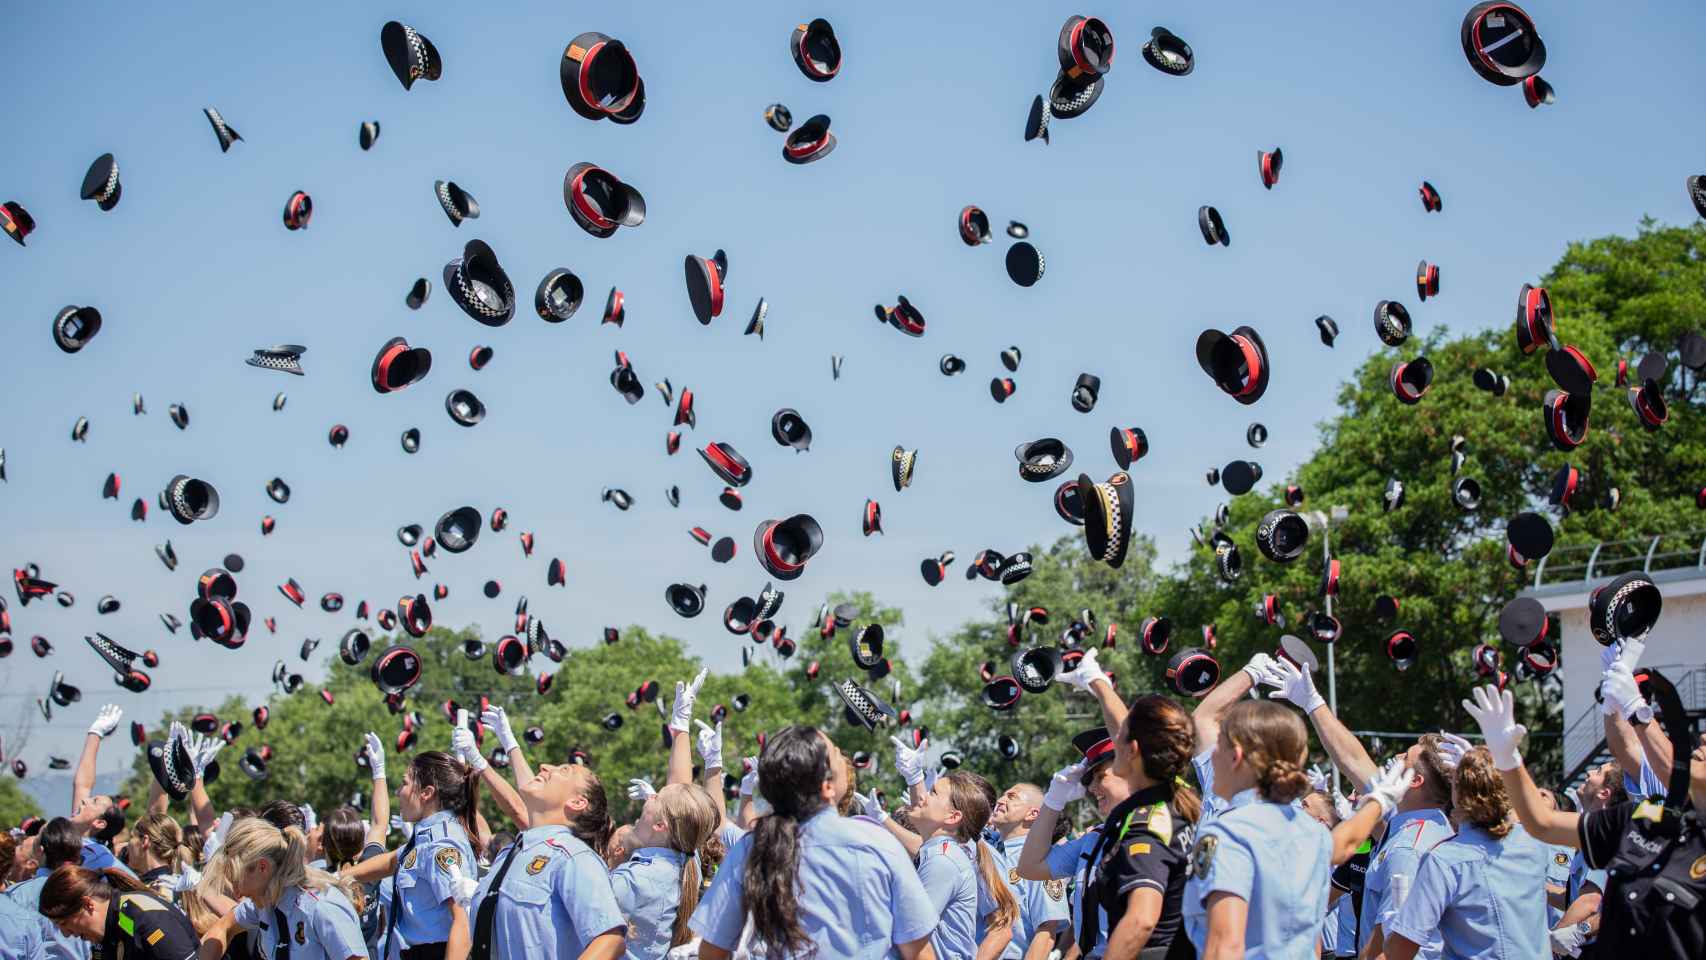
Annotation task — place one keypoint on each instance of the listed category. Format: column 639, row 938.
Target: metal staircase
column 1584, row 739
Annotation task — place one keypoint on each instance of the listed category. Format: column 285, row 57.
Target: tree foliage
column 15, row 804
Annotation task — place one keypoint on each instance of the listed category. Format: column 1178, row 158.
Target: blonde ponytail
column 1006, row 906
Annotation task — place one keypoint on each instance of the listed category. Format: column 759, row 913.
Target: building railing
column 1583, row 737
column 1610, row 558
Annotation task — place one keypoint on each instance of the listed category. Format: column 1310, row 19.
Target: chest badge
column 1202, row 856
column 1560, row 859
column 1697, row 869
column 1013, row 876
column 1056, row 889
column 301, row 936
column 409, row 861
column 537, row 865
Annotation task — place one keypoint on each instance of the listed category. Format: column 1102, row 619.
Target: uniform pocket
column 525, row 891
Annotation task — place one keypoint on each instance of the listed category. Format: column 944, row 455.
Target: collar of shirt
column 807, row 823
column 1148, row 797
column 442, row 816
column 154, row 874
column 1243, row 798
column 534, row 835
column 1431, row 814
column 675, row 857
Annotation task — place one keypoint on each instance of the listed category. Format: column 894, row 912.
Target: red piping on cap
column 723, row 460
column 1252, row 364
column 805, row 149
column 1098, row 751
column 811, row 68
column 716, row 286
column 385, row 364
column 774, row 557
column 577, row 194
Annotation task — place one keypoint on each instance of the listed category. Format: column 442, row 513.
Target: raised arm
column 746, row 810
column 1343, row 748
column 498, row 721
column 1089, row 677
column 83, row 779
column 1206, row 717
column 462, row 744
column 871, row 805
column 158, row 802
column 379, row 808
column 681, row 729
column 1495, row 712
column 1385, row 791
column 1062, row 790
column 710, row 743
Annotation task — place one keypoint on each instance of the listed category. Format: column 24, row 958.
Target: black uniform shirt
column 1144, row 844
column 1655, row 901
column 141, row 926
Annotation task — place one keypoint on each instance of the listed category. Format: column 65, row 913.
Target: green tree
column 15, row 804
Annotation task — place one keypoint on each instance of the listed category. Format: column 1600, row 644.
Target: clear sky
column 194, row 269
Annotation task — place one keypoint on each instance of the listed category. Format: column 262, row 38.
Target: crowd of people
column 1213, row 836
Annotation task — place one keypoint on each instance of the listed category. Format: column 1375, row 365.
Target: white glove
column 375, row 756
column 400, row 825
column 1065, row 788
column 1342, row 806
column 681, row 714
column 310, row 819
column 1495, row 713
column 1575, row 798
column 749, row 779
column 462, row 743
column 1318, row 779
column 1389, row 787
column 1567, row 941
column 1629, row 653
column 1296, row 686
column 106, row 721
column 641, row 789
column 1619, row 687
column 186, row 880
column 1451, row 750
column 710, row 744
column 202, row 752
column 1086, row 673
column 462, row 887
column 1261, row 670
column 872, row 806
column 909, row 763
column 498, row 721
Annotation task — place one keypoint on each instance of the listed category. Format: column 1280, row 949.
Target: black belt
column 426, row 951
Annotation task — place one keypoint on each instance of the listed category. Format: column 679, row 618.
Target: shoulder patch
column 1137, row 849
column 1161, row 823
column 1056, row 889
column 409, row 861
column 946, row 844
column 447, row 859
column 539, row 863
column 1697, row 869
column 1202, row 856
column 155, row 937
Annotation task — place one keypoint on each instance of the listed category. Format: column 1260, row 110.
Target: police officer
column 1476, row 893
column 290, row 910
column 1653, row 852
column 832, row 883
column 426, row 898
column 658, row 887
column 948, row 872
column 63, row 849
column 1043, row 910
column 548, row 894
column 1268, row 858
column 113, row 908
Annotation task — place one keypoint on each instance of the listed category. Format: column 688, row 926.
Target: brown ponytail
column 69, row 885
column 456, row 787
column 1274, row 744
column 971, row 795
column 1480, row 795
column 1163, row 738
column 592, row 824
column 791, row 772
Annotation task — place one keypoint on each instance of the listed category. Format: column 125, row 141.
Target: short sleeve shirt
column 1146, row 845
column 950, row 880
column 426, row 879
column 859, row 894
column 1392, row 871
column 1041, row 902
column 141, row 926
column 59, row 946
column 555, row 898
column 1212, row 804
column 648, row 892
column 1647, row 913
column 1273, row 856
column 318, row 925
column 1067, row 861
column 20, row 932
column 1476, row 894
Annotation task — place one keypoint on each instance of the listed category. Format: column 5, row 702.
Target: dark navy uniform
column 141, row 926
column 1655, row 901
column 1144, row 844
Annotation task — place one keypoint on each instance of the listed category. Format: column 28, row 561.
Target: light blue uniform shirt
column 648, row 892
column 1040, row 901
column 320, row 926
column 555, row 898
column 1647, row 784
column 1066, row 861
column 858, row 893
column 1558, row 875
column 95, row 857
column 21, row 936
column 58, row 945
column 425, row 880
column 1342, row 920
column 1212, row 804
column 1479, row 894
column 1392, row 871
column 950, row 880
column 1274, row 856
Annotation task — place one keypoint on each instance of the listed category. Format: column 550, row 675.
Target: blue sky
column 194, row 269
